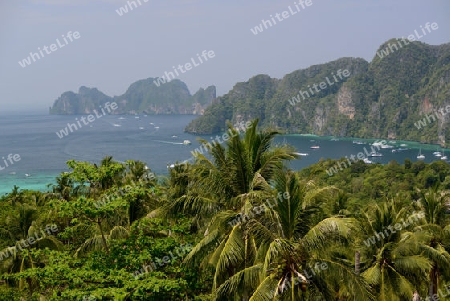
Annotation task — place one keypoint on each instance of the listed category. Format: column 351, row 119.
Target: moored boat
column 375, row 154
column 420, row 156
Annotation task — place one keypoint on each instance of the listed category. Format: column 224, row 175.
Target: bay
column 156, row 140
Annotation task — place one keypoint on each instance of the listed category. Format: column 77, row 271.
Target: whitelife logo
column 280, row 17
column 52, row 48
column 393, row 47
column 90, row 118
column 423, row 122
column 20, row 244
column 225, row 137
column 188, row 66
column 10, row 158
column 124, row 9
column 323, row 85
column 415, row 217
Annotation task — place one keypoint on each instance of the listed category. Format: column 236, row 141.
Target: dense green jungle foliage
column 234, row 225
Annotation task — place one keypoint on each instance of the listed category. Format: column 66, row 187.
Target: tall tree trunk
column 103, row 236
column 433, row 281
column 357, row 262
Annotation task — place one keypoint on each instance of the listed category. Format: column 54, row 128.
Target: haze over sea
column 156, row 140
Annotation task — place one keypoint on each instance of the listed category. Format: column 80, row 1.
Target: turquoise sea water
column 156, row 140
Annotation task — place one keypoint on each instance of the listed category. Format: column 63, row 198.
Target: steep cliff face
column 382, row 99
column 345, row 103
column 202, row 99
column 141, row 97
column 296, row 103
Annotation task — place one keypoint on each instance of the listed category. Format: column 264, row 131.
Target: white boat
column 420, row 156
column 156, row 127
column 386, row 146
column 403, row 145
column 27, row 175
column 400, row 149
column 186, row 142
column 437, row 153
column 375, row 154
column 315, row 147
column 302, row 154
column 376, row 143
column 367, row 161
column 115, row 124
column 174, row 136
column 121, row 118
column 141, row 128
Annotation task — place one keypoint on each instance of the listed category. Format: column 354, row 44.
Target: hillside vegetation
column 380, row 99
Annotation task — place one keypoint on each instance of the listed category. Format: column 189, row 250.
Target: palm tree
column 289, row 258
column 178, row 180
column 64, row 186
column 234, row 173
column 16, row 259
column 219, row 189
column 138, row 188
column 435, row 206
column 110, row 172
column 393, row 262
column 138, row 171
column 15, row 196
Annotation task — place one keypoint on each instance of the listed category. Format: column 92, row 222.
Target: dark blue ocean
column 156, row 140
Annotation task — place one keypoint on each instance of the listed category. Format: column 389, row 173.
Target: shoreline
column 39, row 181
column 411, row 144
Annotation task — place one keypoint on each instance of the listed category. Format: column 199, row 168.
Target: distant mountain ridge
column 380, row 99
column 142, row 96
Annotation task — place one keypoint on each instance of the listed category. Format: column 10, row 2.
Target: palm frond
column 327, row 231
column 244, row 280
column 231, row 256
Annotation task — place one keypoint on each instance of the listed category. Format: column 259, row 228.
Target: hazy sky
column 113, row 51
